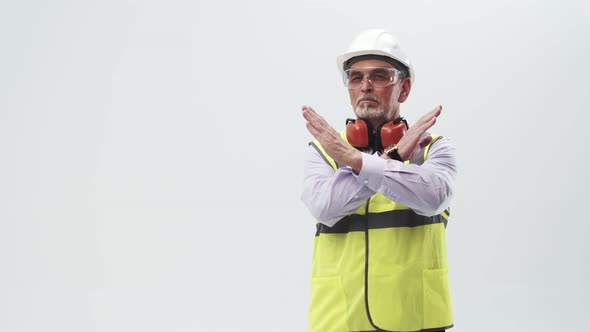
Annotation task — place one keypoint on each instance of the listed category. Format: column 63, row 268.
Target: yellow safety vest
column 382, row 268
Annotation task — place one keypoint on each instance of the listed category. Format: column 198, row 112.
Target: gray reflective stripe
column 389, row 219
column 315, row 145
column 321, row 154
column 448, row 213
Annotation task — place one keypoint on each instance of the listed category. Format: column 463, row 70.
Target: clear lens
column 379, row 77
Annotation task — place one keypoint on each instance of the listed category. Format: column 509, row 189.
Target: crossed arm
column 331, row 195
column 344, row 154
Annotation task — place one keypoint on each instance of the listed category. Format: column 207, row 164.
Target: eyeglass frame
column 398, row 74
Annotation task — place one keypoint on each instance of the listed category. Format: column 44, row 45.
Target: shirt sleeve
column 331, row 195
column 427, row 189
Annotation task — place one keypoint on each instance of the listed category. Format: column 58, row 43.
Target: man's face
column 373, row 103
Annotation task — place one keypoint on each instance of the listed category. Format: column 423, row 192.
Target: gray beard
column 366, row 112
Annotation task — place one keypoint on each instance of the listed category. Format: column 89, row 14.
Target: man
column 379, row 260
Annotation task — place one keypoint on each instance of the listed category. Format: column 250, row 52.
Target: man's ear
column 406, row 86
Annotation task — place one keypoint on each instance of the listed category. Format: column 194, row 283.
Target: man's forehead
column 371, row 63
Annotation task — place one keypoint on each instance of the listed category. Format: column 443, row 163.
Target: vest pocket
column 327, row 310
column 437, row 299
column 395, row 300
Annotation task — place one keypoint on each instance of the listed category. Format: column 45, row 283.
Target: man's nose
column 366, row 85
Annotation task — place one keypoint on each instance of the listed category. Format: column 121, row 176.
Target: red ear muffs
column 357, row 133
column 360, row 134
column 391, row 132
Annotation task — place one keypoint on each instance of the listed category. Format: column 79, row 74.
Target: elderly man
column 380, row 191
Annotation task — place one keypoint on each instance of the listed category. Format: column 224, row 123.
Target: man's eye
column 381, row 77
column 356, row 78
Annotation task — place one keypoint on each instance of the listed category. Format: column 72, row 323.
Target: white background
column 152, row 151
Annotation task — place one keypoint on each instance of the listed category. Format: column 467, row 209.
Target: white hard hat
column 375, row 42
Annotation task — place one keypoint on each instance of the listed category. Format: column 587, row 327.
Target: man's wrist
column 392, row 152
column 355, row 160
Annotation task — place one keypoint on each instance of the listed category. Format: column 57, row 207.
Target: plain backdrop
column 152, row 152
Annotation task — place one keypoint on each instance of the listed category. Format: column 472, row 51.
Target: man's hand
column 331, row 140
column 411, row 143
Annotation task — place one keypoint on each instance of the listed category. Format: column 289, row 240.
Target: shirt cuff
column 371, row 174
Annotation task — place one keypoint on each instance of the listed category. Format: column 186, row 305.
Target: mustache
column 368, row 97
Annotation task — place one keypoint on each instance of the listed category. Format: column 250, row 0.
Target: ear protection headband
column 360, row 133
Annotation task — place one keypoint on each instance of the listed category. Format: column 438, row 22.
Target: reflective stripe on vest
column 382, row 267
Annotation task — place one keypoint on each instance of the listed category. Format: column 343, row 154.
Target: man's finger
column 312, row 116
column 314, row 132
column 425, row 141
column 309, row 116
column 311, row 112
column 422, row 128
column 316, row 124
column 437, row 109
column 428, row 116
